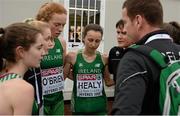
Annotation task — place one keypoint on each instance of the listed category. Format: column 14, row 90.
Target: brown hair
column 48, row 9
column 17, row 34
column 120, row 24
column 94, row 27
column 151, row 10
column 173, row 29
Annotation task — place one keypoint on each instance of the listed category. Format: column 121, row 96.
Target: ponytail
column 1, row 48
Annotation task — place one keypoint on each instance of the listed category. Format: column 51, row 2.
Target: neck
column 89, row 52
column 148, row 29
column 17, row 68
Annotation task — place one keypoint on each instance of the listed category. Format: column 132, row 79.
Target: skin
column 33, row 56
column 122, row 39
column 16, row 96
column 136, row 28
column 91, row 41
column 57, row 23
column 48, row 41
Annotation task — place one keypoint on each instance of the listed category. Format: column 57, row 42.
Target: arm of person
column 21, row 96
column 130, row 86
column 63, row 43
column 68, row 67
column 108, row 81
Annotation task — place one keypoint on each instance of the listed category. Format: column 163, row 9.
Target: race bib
column 52, row 80
column 89, row 85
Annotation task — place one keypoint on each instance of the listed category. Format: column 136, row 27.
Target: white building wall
column 113, row 14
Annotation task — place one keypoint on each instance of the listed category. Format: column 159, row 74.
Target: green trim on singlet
column 88, row 105
column 8, row 76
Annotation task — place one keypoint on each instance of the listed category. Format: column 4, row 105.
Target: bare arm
column 63, row 43
column 108, row 81
column 69, row 62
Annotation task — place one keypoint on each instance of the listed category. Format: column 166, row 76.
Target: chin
column 37, row 66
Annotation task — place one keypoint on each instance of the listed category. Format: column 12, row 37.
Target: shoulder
column 17, row 90
column 116, row 48
column 63, row 42
column 104, row 58
column 71, row 57
column 116, row 52
column 133, row 62
column 18, row 85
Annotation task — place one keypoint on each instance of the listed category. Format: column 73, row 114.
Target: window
column 81, row 13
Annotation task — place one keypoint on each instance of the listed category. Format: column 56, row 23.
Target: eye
column 40, row 47
column 90, row 40
column 124, row 32
column 97, row 41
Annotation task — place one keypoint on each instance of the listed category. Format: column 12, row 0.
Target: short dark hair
column 173, row 29
column 151, row 10
column 120, row 23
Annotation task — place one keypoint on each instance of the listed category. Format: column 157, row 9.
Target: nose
column 119, row 36
column 60, row 29
column 43, row 52
column 51, row 44
column 93, row 44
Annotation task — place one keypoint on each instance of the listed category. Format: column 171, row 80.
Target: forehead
column 39, row 38
column 124, row 14
column 46, row 31
column 94, row 34
column 58, row 18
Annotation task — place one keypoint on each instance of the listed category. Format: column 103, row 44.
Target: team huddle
column 34, row 64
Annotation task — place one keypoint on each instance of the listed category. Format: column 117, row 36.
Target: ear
column 19, row 52
column 139, row 21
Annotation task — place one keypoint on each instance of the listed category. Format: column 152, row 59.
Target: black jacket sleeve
column 130, row 85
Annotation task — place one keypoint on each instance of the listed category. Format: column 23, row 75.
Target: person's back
column 137, row 87
column 13, row 93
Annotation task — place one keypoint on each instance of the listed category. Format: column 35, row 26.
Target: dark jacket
column 137, row 84
column 33, row 76
column 115, row 55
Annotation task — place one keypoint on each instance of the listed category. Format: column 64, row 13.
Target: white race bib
column 52, row 80
column 89, row 85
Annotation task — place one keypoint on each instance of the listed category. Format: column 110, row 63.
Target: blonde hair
column 39, row 25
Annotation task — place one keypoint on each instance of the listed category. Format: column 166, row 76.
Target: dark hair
column 120, row 24
column 48, row 9
column 17, row 34
column 94, row 27
column 151, row 10
column 173, row 29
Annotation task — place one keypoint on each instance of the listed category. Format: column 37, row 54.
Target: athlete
column 52, row 64
column 89, row 70
column 21, row 47
column 33, row 75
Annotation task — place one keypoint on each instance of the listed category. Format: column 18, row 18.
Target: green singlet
column 88, row 91
column 53, row 80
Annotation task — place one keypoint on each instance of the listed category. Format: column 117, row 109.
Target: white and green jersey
column 88, row 91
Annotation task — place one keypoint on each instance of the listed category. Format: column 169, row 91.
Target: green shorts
column 54, row 109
